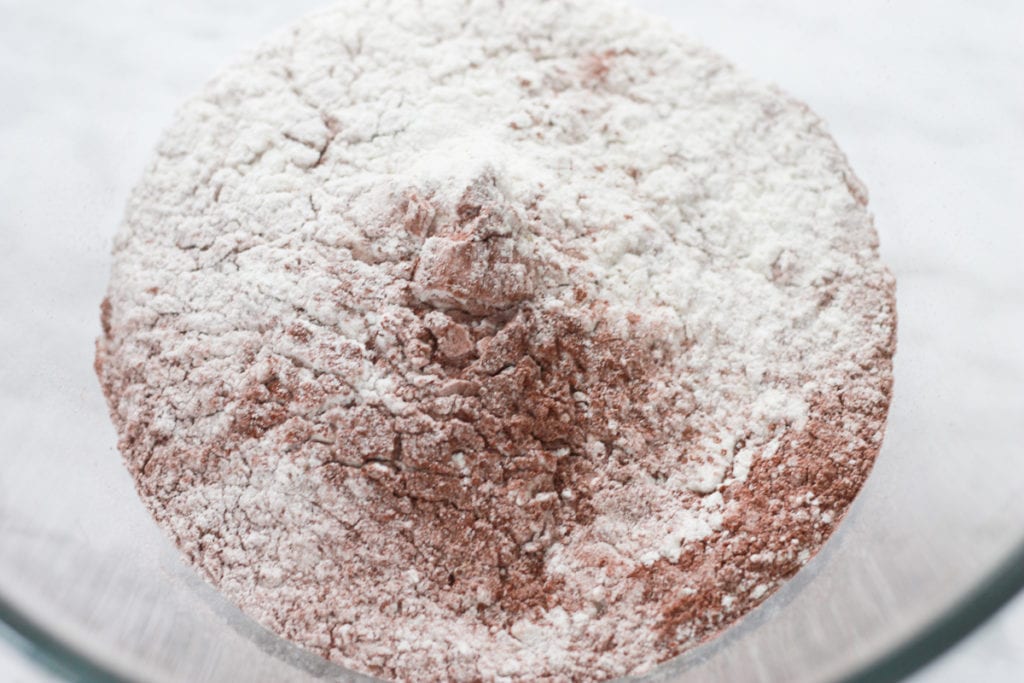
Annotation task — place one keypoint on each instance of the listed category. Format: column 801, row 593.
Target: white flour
column 299, row 275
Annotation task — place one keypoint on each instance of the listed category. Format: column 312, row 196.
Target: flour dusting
column 496, row 340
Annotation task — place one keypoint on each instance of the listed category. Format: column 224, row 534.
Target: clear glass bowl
column 89, row 585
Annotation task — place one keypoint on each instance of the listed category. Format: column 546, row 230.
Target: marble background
column 938, row 83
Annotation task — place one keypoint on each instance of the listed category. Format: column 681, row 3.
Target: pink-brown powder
column 536, row 401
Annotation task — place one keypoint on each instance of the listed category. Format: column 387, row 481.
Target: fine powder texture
column 496, row 340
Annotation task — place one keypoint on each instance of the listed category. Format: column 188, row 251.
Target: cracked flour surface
column 500, row 341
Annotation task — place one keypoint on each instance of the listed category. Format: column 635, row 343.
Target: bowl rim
column 70, row 662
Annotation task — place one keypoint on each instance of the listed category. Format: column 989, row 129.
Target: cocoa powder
column 546, row 365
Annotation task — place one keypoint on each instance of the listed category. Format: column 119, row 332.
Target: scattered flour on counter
column 496, row 340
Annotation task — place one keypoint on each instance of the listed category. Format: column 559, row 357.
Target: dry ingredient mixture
column 496, row 340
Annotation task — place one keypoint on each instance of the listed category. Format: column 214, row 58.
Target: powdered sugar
column 496, row 341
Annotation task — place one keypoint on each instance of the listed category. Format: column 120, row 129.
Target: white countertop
column 994, row 653
column 799, row 44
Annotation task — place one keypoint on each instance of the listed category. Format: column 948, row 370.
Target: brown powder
column 521, row 415
column 549, row 370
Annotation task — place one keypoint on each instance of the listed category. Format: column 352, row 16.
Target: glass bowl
column 91, row 587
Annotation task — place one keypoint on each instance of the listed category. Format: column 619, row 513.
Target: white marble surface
column 17, row 669
column 894, row 61
column 994, row 653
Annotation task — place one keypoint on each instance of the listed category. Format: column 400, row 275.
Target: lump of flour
column 496, row 340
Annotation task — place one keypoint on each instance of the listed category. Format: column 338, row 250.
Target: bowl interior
column 93, row 584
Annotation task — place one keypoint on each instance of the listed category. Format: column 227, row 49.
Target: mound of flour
column 496, row 340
